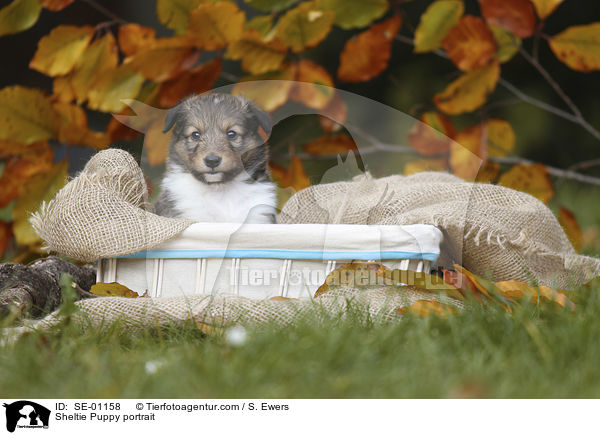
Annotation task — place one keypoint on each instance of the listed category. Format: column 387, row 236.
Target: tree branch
column 105, row 11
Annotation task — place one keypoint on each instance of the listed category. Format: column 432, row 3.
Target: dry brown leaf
column 195, row 81
column 330, row 145
column 133, row 38
column 212, row 26
column 569, row 223
column 532, row 179
column 470, row 44
column 517, row 16
column 469, row 91
column 113, row 289
column 366, row 55
column 55, row 5
column 432, row 136
column 318, row 90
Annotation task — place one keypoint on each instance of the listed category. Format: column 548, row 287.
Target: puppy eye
column 231, row 134
column 195, row 135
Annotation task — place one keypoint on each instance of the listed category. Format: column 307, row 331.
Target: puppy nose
column 212, row 161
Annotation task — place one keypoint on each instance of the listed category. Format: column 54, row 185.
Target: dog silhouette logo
column 26, row 414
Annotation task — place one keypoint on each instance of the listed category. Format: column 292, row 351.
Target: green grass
column 535, row 352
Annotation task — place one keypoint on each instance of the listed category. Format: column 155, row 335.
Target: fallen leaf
column 195, row 81
column 354, row 13
column 258, row 56
column 435, row 23
column 114, row 86
column 572, row 230
column 425, row 308
column 39, row 188
column 366, row 55
column 532, row 179
column 517, row 16
column 270, row 90
column 212, row 26
column 133, row 38
column 19, row 15
column 508, row 43
column 113, row 289
column 433, row 135
column 334, row 114
column 330, row 145
column 176, row 54
column 55, row 5
column 520, row 290
column 317, row 90
column 282, row 299
column 355, row 274
column 422, row 165
column 470, row 44
column 59, row 51
column 304, row 26
column 469, row 91
column 175, row 13
column 26, row 115
column 578, row 47
column 545, row 7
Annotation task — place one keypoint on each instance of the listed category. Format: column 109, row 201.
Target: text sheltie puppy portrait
column 217, row 168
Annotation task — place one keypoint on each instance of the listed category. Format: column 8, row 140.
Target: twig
column 105, row 11
column 585, row 164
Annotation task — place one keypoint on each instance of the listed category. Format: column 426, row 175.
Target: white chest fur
column 234, row 201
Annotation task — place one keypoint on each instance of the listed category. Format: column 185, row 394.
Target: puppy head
column 216, row 137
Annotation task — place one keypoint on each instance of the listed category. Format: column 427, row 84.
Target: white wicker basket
column 262, row 261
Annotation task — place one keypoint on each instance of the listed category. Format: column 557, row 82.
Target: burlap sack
column 491, row 230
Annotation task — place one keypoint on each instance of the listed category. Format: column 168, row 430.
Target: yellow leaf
column 470, row 44
column 258, row 56
column 74, row 127
column 532, row 179
column 156, row 143
column 432, row 136
column 422, row 165
column 261, row 23
column 175, row 13
column 113, row 289
column 114, row 86
column 545, row 7
column 270, row 5
column 41, row 187
column 164, row 59
column 55, row 5
column 367, row 54
column 26, row 115
column 464, row 161
column 571, row 227
column 354, row 13
column 214, row 25
column 133, row 38
column 194, row 81
column 508, row 43
column 18, row 16
column 59, row 51
column 317, row 90
column 330, row 145
column 356, row 274
column 436, row 22
column 294, row 177
column 500, row 137
column 99, row 58
column 269, row 91
column 62, row 89
column 520, row 290
column 304, row 27
column 469, row 91
column 578, row 47
column 424, row 308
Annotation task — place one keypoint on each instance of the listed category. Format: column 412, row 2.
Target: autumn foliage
column 101, row 68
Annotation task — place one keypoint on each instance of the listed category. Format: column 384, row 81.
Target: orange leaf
column 270, row 90
column 5, row 236
column 488, row 172
column 432, row 135
column 367, row 54
column 469, row 151
column 74, row 127
column 116, row 130
column 330, row 145
column 258, row 55
column 520, row 290
column 293, row 177
column 62, row 89
column 578, row 47
column 470, row 44
column 469, row 91
column 133, row 38
column 424, row 308
column 212, row 26
column 532, row 179
column 334, row 114
column 422, row 165
column 164, row 59
column 319, row 88
column 156, row 143
column 55, row 5
column 571, row 227
column 517, row 16
column 304, row 26
column 194, row 81
column 58, row 51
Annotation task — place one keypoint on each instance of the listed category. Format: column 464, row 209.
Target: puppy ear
column 171, row 118
column 264, row 120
